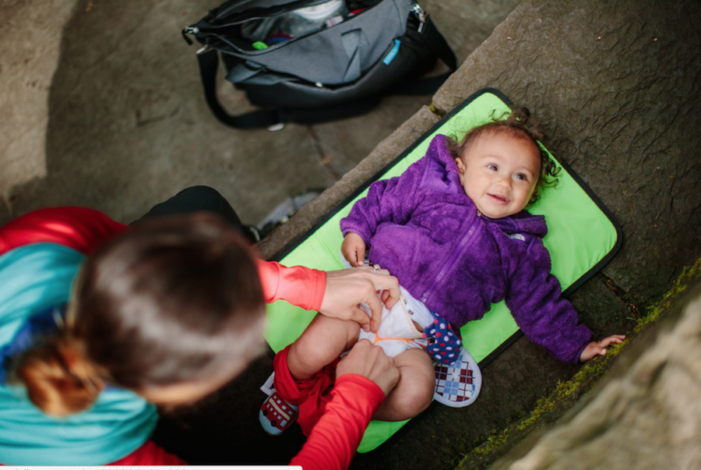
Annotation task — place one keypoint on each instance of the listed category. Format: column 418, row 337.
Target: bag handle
column 208, row 60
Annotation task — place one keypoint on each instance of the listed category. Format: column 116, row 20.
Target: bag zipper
column 416, row 9
column 280, row 9
column 421, row 14
column 211, row 30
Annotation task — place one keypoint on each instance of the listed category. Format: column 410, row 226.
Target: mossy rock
column 665, row 325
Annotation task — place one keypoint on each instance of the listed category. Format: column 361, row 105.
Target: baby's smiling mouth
column 498, row 199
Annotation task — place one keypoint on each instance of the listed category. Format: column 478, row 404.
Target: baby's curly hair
column 514, row 126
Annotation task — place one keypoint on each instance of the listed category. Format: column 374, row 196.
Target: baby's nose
column 504, row 182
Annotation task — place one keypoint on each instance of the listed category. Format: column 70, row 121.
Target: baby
column 454, row 231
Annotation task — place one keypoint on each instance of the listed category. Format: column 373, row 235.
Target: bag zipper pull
column 420, row 14
column 189, row 30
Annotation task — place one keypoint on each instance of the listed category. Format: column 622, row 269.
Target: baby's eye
column 521, row 176
column 492, row 167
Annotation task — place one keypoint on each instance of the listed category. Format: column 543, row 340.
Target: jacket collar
column 523, row 222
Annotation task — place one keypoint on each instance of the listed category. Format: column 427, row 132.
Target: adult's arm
column 300, row 286
column 335, row 438
column 335, row 294
column 364, row 377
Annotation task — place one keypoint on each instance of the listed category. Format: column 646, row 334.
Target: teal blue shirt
column 34, row 278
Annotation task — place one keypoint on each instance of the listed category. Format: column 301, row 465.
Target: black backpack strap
column 439, row 46
column 208, row 60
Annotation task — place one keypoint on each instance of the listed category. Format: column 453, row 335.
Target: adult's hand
column 348, row 288
column 370, row 361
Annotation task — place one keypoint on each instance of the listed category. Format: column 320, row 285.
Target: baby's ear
column 461, row 165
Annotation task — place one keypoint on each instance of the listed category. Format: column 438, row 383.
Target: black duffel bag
column 301, row 66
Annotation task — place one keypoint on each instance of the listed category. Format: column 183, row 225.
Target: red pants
column 310, row 395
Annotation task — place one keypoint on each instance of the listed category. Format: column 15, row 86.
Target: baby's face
column 499, row 173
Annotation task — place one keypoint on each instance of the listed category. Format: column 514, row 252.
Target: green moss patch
column 688, row 278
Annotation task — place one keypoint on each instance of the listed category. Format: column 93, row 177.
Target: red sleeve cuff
column 300, row 286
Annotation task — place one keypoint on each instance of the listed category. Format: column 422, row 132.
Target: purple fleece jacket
column 427, row 232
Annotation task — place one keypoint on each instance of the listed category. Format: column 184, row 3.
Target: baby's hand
column 598, row 348
column 353, row 249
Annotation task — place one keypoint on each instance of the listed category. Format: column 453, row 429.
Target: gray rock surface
column 27, row 68
column 646, row 416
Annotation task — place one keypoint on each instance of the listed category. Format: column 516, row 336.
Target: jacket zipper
column 449, row 263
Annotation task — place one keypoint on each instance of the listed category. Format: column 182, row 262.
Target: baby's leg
column 414, row 391
column 320, row 344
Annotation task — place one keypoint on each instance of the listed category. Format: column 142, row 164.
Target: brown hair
column 59, row 380
column 174, row 300
column 515, row 127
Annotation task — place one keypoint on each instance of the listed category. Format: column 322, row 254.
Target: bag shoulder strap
column 208, row 60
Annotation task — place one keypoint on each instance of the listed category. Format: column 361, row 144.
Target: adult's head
column 171, row 309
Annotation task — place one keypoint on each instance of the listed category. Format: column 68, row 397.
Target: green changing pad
column 582, row 237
